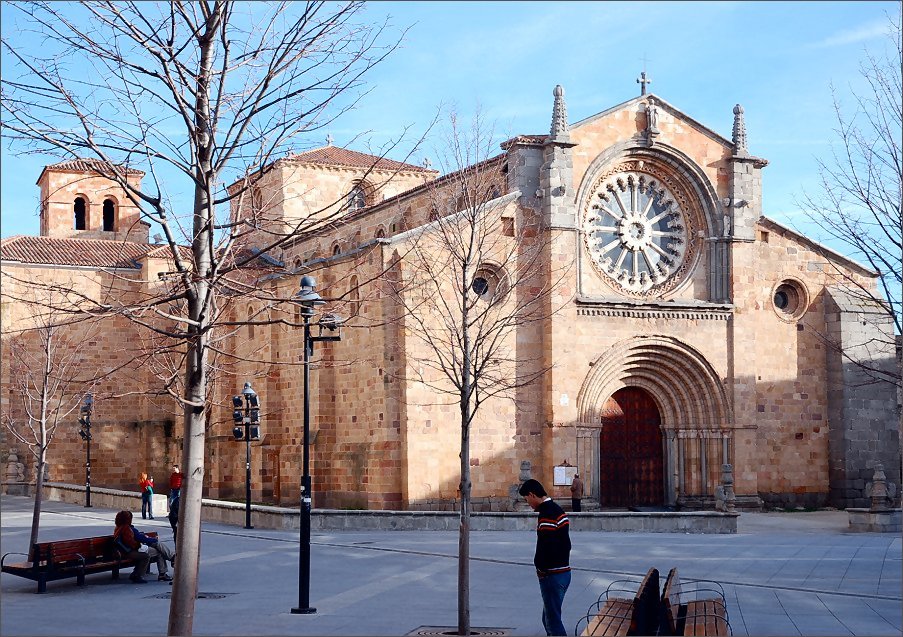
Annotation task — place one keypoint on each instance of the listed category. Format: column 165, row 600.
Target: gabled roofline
column 498, row 202
column 394, row 199
column 661, row 102
column 297, row 159
column 820, row 247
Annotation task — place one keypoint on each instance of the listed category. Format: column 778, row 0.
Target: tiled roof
column 524, row 139
column 74, row 252
column 89, row 164
column 335, row 156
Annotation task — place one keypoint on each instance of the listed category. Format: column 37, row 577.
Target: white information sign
column 564, row 475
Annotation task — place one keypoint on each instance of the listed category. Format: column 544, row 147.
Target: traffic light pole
column 88, row 468
column 247, row 477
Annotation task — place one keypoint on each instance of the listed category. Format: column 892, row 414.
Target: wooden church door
column 631, row 458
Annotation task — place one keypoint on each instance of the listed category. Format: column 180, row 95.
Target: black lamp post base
column 249, row 527
column 304, row 611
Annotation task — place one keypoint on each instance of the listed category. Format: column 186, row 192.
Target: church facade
column 684, row 330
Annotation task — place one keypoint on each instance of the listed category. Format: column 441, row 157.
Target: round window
column 790, row 300
column 489, row 283
column 637, row 233
column 480, row 285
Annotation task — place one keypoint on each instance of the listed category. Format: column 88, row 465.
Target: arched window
column 256, row 200
column 80, row 208
column 336, row 250
column 357, row 197
column 355, row 295
column 380, row 233
column 297, row 263
column 109, row 215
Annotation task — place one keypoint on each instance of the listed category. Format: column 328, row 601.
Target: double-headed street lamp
column 246, row 416
column 309, row 300
column 84, row 420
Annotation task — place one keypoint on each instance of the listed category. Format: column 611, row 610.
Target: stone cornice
column 693, row 310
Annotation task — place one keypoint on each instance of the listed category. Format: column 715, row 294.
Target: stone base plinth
column 878, row 521
column 270, row 517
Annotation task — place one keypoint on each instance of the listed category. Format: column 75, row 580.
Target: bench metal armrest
column 621, row 586
column 3, row 559
column 694, row 587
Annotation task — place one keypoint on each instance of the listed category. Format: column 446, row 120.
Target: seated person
column 129, row 540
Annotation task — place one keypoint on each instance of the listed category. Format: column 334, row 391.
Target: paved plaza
column 783, row 574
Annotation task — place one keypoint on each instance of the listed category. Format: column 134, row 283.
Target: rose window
column 636, row 232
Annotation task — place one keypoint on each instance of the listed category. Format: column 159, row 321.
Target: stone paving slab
column 783, row 574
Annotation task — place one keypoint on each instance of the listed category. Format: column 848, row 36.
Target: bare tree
column 859, row 205
column 44, row 365
column 466, row 283
column 198, row 95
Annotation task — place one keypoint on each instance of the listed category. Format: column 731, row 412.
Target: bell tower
column 79, row 202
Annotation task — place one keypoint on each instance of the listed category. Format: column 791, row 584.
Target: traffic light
column 255, row 432
column 238, row 433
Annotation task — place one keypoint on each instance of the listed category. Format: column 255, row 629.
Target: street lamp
column 84, row 420
column 309, row 300
column 246, row 416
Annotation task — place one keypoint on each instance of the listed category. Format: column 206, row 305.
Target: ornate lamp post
column 84, row 420
column 309, row 300
column 246, row 416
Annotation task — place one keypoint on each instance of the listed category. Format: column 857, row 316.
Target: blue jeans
column 147, row 505
column 553, row 587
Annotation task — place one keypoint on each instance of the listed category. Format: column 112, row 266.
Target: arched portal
column 632, row 461
column 695, row 423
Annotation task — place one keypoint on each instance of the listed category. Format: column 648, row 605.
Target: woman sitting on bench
column 129, row 540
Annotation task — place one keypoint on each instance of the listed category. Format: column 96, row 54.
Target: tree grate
column 168, row 595
column 442, row 631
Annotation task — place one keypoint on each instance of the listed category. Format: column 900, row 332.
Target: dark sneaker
column 164, row 578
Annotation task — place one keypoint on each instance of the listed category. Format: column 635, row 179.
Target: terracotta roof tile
column 74, row 252
column 88, row 164
column 336, row 156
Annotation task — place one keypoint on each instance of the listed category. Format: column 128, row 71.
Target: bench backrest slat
column 90, row 549
column 671, row 604
column 645, row 619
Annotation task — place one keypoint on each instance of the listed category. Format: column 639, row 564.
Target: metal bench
column 624, row 609
column 696, row 610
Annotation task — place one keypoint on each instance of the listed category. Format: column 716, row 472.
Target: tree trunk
column 38, row 496
column 464, row 530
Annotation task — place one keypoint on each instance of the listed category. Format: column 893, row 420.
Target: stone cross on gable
column 329, row 139
column 642, row 81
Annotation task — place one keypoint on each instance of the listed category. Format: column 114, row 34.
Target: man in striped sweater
column 553, row 550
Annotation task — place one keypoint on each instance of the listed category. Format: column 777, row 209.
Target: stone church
column 689, row 330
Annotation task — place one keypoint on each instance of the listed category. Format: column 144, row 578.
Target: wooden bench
column 698, row 610
column 614, row 613
column 62, row 559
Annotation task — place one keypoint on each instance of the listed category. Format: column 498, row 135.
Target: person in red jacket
column 146, row 484
column 175, row 485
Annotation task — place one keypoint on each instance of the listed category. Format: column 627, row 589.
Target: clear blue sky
column 778, row 59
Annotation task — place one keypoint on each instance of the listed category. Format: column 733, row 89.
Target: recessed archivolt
column 686, row 388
